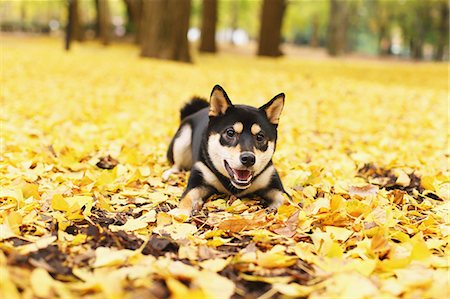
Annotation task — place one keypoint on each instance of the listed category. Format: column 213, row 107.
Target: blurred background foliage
column 416, row 29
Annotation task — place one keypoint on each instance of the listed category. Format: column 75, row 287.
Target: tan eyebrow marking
column 255, row 129
column 238, row 127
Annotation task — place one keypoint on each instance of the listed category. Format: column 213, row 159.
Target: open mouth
column 239, row 177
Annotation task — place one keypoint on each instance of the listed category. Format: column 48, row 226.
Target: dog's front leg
column 192, row 200
column 195, row 194
column 273, row 197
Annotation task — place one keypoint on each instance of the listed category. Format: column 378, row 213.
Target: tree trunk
column 443, row 31
column 134, row 11
column 164, row 26
column 337, row 28
column 103, row 21
column 209, row 21
column 76, row 32
column 270, row 31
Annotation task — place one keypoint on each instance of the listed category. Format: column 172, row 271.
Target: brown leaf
column 239, row 224
column 107, row 162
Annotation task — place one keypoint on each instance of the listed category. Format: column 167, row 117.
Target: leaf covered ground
column 363, row 150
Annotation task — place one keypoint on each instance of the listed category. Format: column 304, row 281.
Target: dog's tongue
column 242, row 175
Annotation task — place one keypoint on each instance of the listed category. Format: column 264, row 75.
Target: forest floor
column 363, row 148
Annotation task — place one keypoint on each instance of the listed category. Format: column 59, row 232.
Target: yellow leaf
column 427, row 182
column 415, row 276
column 30, row 190
column 177, row 231
column 356, row 208
column 363, row 191
column 309, row 191
column 105, row 256
column 41, row 282
column 8, row 288
column 59, row 203
column 13, row 194
column 338, row 233
column 402, row 178
column 332, row 249
column 163, row 219
column 79, row 239
column 179, row 291
column 420, row 250
column 40, row 243
column 275, row 258
column 214, row 265
column 136, row 224
column 215, row 285
column 293, row 289
column 6, row 232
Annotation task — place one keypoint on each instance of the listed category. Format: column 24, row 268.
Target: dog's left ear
column 273, row 108
column 219, row 101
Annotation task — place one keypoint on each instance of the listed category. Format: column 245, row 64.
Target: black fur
column 194, row 105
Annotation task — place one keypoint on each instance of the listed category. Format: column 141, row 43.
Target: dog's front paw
column 166, row 174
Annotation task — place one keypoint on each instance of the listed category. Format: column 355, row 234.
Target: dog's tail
column 194, row 105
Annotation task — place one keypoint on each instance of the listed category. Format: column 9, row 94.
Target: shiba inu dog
column 228, row 149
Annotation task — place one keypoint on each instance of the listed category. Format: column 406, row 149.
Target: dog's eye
column 260, row 137
column 230, row 133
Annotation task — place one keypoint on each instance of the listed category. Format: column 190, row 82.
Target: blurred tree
column 134, row 12
column 165, row 24
column 305, row 22
column 380, row 22
column 76, row 31
column 418, row 30
column 337, row 27
column 103, row 21
column 443, row 31
column 209, row 21
column 238, row 14
column 270, row 30
column 73, row 27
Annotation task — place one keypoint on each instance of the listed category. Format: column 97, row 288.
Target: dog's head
column 241, row 139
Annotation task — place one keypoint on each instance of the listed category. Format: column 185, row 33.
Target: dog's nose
column 247, row 159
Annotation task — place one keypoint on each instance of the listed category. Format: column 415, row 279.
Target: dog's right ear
column 219, row 102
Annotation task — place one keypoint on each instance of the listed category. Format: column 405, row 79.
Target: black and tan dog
column 228, row 149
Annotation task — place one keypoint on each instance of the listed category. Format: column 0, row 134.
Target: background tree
column 209, row 21
column 270, row 30
column 103, row 24
column 338, row 27
column 443, row 31
column 134, row 12
column 75, row 26
column 164, row 28
column 381, row 25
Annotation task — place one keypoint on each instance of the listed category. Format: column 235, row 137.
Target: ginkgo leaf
column 105, row 256
column 215, row 285
column 177, row 231
column 41, row 282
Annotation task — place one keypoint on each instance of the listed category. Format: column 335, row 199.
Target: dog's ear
column 219, row 102
column 273, row 108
